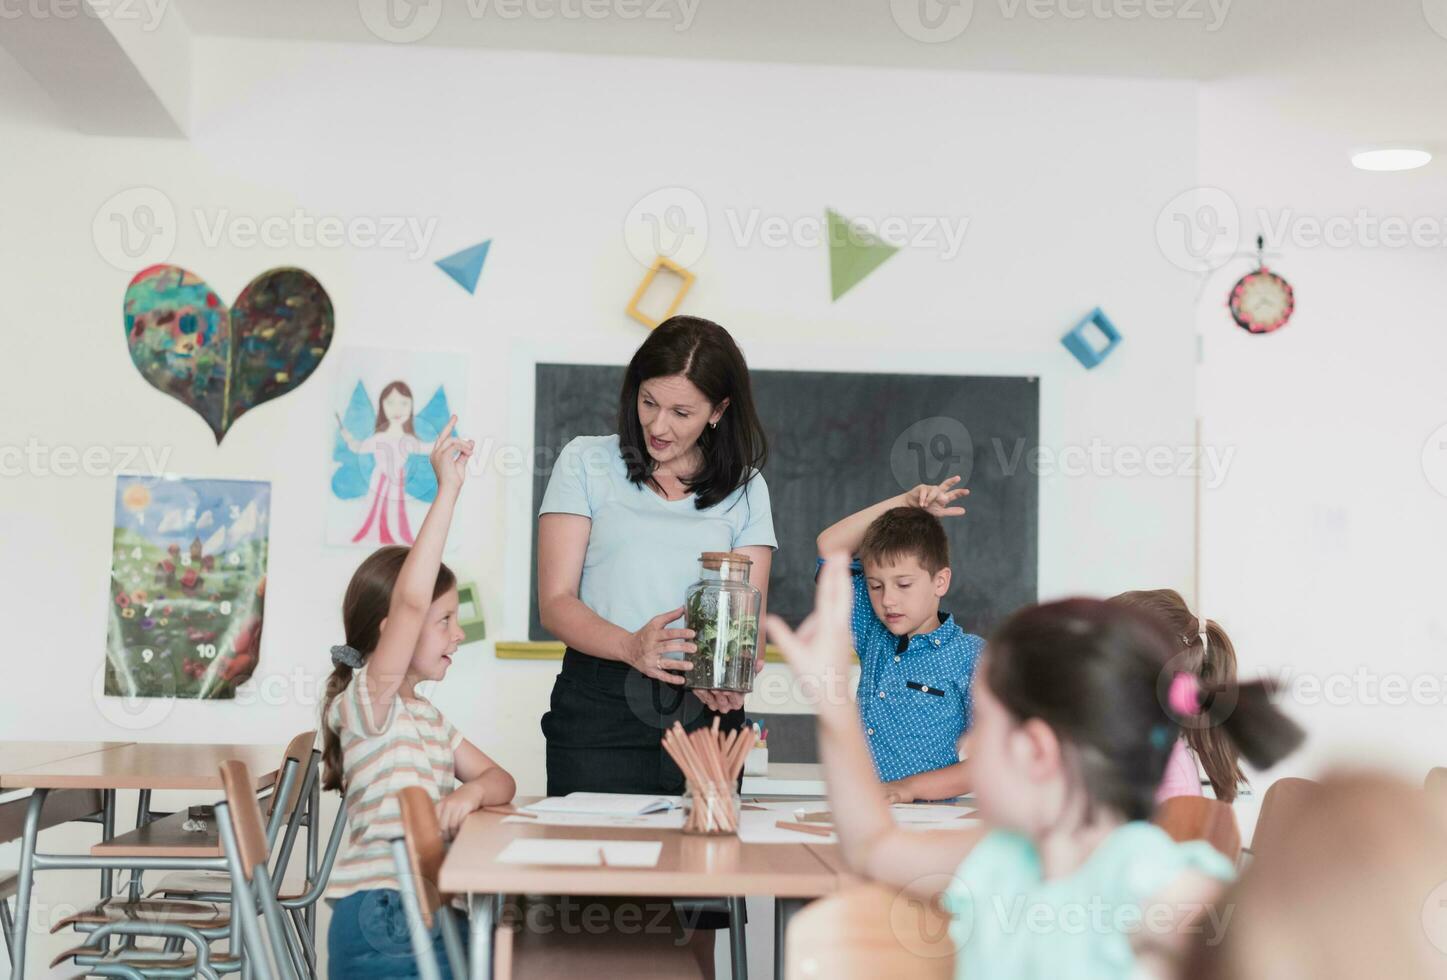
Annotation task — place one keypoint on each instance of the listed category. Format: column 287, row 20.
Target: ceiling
column 1369, row 70
column 1359, row 71
column 1191, row 39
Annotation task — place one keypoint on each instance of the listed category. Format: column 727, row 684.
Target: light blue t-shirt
column 1010, row 922
column 643, row 550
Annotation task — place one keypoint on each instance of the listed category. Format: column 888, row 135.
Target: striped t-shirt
column 412, row 746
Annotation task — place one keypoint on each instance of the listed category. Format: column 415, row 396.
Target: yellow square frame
column 660, row 264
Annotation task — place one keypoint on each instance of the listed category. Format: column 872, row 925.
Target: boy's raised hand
column 449, row 457
column 820, row 649
column 938, row 498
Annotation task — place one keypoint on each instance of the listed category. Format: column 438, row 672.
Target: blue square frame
column 1079, row 344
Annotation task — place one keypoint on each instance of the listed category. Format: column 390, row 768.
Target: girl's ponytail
column 340, row 677
column 1206, row 651
column 1112, row 682
column 1246, row 714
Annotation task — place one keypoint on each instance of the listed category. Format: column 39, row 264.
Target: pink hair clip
column 1185, row 694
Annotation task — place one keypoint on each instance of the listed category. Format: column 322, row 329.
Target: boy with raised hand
column 915, row 660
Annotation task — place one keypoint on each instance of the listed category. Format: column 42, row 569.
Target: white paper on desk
column 758, row 827
column 672, row 820
column 932, row 815
column 929, row 813
column 610, row 803
column 618, row 853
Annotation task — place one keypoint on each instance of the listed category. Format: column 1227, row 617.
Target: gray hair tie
column 345, row 656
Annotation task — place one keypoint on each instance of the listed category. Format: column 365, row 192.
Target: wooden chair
column 204, row 911
column 1282, row 808
column 1188, row 818
column 869, row 931
column 419, row 854
column 265, row 951
column 178, row 922
column 520, row 953
column 299, row 903
column 214, row 886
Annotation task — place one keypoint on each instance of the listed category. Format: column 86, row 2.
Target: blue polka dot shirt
column 914, row 691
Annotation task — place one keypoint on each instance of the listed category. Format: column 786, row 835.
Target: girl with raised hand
column 379, row 735
column 1075, row 713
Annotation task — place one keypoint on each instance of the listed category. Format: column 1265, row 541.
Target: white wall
column 1060, row 180
column 1322, row 549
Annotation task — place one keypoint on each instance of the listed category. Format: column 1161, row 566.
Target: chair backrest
column 1188, row 818
column 1282, row 807
column 867, row 931
column 298, row 749
column 425, row 847
column 245, row 816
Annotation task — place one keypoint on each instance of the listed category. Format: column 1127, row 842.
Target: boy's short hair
column 906, row 532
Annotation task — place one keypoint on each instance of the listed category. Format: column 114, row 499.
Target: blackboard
column 839, row 441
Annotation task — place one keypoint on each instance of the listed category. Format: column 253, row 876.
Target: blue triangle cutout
column 466, row 266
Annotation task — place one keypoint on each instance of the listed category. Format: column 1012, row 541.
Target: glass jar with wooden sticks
column 711, row 762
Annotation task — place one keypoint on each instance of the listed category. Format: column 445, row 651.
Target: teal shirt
column 1010, row 922
column 643, row 550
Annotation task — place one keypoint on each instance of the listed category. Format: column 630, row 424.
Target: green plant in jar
column 722, row 609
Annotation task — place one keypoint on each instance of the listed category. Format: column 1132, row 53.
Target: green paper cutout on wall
column 853, row 254
column 224, row 361
column 469, row 613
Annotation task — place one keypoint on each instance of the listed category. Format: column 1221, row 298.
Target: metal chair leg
column 7, row 922
column 738, row 943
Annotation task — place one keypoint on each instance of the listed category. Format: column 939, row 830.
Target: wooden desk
column 787, row 779
column 164, row 838
column 108, row 767
column 18, row 756
column 688, row 867
column 148, row 766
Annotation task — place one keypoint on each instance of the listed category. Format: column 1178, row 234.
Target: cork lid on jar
column 715, row 559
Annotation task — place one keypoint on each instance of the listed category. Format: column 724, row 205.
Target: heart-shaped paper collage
column 220, row 361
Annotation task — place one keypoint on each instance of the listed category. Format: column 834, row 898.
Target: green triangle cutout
column 853, row 254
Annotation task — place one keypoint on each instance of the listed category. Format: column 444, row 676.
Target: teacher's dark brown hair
column 704, row 353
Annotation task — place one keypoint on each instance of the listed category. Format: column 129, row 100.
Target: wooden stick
column 740, row 755
column 708, row 750
column 687, row 747
column 707, row 760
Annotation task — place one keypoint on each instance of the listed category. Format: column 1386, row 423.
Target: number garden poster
column 188, row 582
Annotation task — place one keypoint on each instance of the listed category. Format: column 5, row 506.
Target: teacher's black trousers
column 605, row 726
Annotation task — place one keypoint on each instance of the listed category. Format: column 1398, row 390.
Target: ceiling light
column 1391, row 158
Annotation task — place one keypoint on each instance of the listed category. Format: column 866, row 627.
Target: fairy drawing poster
column 388, row 408
column 188, row 585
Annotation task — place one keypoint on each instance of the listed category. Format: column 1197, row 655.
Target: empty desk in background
column 109, row 767
column 799, row 779
column 794, row 768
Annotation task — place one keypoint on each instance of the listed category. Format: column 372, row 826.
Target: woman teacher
column 622, row 525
